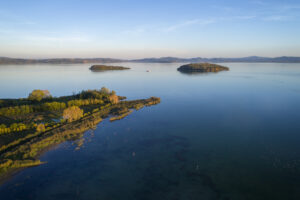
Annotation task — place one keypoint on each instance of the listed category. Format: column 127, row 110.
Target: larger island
column 202, row 67
column 29, row 126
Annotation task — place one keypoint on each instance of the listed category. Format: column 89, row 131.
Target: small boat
column 148, row 70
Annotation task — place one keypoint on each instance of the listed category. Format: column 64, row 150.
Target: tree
column 13, row 126
column 113, row 98
column 113, row 92
column 104, row 90
column 38, row 95
column 72, row 113
column 40, row 128
column 2, row 126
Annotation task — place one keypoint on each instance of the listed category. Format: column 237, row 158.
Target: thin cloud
column 277, row 18
column 290, row 7
column 258, row 2
column 16, row 19
column 246, row 17
column 204, row 22
column 189, row 23
column 134, row 31
column 58, row 38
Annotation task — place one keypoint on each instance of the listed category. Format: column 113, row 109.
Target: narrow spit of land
column 30, row 126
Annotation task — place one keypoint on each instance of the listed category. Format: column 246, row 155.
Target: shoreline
column 13, row 172
column 58, row 135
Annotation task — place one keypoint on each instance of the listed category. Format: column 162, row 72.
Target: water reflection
column 195, row 73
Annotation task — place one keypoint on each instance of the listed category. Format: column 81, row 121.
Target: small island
column 30, row 126
column 202, row 67
column 100, row 68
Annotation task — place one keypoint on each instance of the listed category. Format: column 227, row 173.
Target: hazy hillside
column 252, row 59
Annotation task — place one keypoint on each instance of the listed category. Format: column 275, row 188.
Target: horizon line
column 128, row 59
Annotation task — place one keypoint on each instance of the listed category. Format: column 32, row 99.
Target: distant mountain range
column 6, row 60
column 283, row 59
column 251, row 59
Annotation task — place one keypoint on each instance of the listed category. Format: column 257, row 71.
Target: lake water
column 227, row 135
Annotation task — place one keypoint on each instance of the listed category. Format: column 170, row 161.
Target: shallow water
column 226, row 135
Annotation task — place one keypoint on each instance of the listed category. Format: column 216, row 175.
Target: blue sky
column 136, row 28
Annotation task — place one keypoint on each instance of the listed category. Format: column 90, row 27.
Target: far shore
column 250, row 59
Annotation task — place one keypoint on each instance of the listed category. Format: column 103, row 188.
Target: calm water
column 231, row 135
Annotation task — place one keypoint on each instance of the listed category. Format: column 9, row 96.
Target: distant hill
column 251, row 59
column 6, row 60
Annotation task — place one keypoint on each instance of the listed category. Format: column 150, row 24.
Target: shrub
column 53, row 106
column 93, row 94
column 16, row 110
column 3, row 126
column 40, row 128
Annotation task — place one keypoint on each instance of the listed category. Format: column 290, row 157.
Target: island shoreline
column 43, row 142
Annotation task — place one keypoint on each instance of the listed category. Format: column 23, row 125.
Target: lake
column 228, row 135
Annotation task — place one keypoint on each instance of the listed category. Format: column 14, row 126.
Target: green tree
column 104, row 90
column 3, row 126
column 38, row 95
column 72, row 113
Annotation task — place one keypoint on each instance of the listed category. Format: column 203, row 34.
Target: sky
column 140, row 28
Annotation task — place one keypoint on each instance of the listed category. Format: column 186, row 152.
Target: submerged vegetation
column 31, row 125
column 202, row 67
column 99, row 68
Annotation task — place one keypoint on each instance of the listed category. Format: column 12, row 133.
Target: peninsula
column 202, row 67
column 30, row 126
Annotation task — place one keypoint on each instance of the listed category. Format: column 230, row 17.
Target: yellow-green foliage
column 8, row 164
column 84, row 102
column 15, row 127
column 104, row 90
column 38, row 95
column 138, row 106
column 105, row 106
column 4, row 129
column 95, row 110
column 94, row 94
column 120, row 116
column 40, row 128
column 5, row 163
column 72, row 113
column 23, row 150
column 16, row 110
column 53, row 106
column 26, row 109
